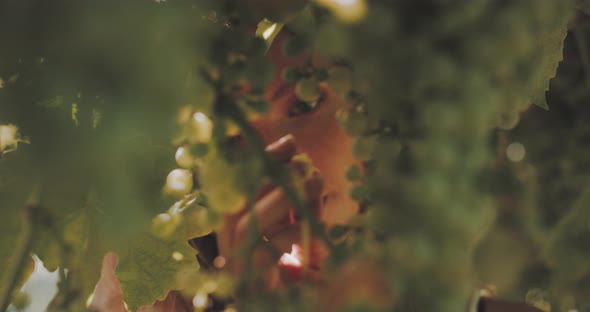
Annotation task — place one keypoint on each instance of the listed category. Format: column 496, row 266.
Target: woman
column 290, row 127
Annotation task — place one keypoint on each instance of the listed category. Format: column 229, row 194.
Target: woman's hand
column 274, row 218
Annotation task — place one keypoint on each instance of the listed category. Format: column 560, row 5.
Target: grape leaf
column 149, row 266
column 551, row 41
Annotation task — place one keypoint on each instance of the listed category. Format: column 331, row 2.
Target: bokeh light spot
column 515, row 152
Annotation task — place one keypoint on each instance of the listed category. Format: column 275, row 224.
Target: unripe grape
column 179, row 182
column 196, row 222
column 364, row 147
column 165, row 224
column 359, row 192
column 353, row 123
column 226, row 200
column 183, row 157
column 340, row 79
column 308, row 90
column 201, row 128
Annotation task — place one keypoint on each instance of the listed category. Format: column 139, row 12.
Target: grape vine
column 121, row 119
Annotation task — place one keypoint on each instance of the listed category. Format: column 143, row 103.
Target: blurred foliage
column 102, row 93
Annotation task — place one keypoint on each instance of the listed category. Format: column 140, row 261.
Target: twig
column 15, row 269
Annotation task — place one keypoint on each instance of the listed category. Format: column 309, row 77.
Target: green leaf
column 359, row 192
column 268, row 30
column 149, row 266
column 551, row 40
column 541, row 102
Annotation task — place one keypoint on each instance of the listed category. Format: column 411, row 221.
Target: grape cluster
column 456, row 74
column 427, row 82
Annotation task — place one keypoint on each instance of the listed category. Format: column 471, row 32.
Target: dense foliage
column 98, row 97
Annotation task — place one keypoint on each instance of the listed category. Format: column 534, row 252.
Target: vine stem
column 16, row 267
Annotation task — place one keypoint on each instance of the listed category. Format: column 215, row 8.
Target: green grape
column 291, row 74
column 226, row 201
column 294, row 46
column 359, row 192
column 201, row 128
column 179, row 182
column 165, row 224
column 353, row 123
column 196, row 222
column 219, row 185
column 183, row 157
column 364, row 147
column 340, row 79
column 308, row 90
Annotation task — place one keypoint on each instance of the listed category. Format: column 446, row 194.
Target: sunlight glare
column 200, row 300
column 268, row 32
column 291, row 259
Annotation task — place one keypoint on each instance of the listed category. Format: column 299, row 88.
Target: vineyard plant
column 471, row 119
